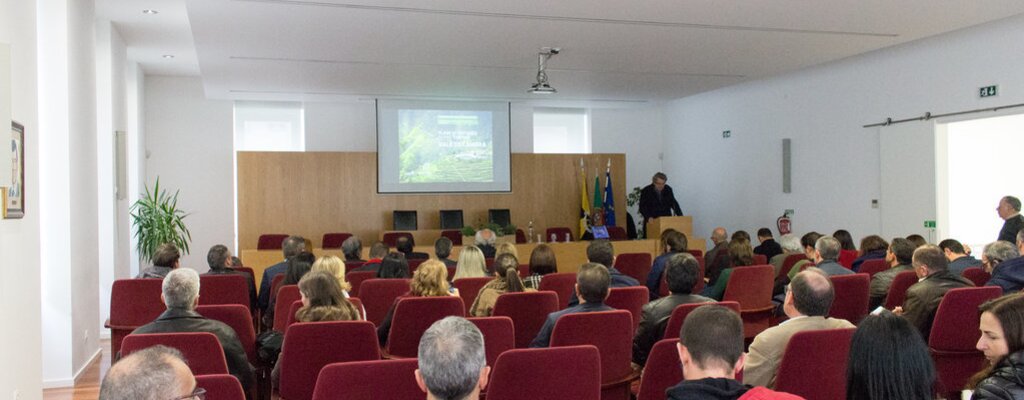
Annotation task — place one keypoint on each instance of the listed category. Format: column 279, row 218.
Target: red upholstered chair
column 524, row 270
column 814, row 364
column 333, row 240
column 637, row 265
column 454, row 236
column 451, row 272
column 675, row 321
column 898, row 289
column 275, row 283
column 391, row 238
column 696, row 254
column 499, row 335
column 752, row 288
column 310, row 346
column 559, row 233
column 521, row 237
column 874, row 266
column 239, row 319
column 631, row 299
column 528, row 311
column 469, row 288
column 540, row 374
column 977, row 275
column 356, row 279
column 953, row 336
column 612, row 333
column 133, row 303
column 294, row 308
column 224, row 289
column 415, row 263
column 846, row 258
column 221, row 387
column 287, row 295
column 379, row 294
column 358, row 304
column 788, row 263
column 271, row 241
column 851, row 300
column 201, row 349
column 246, row 270
column 662, row 370
column 562, row 283
column 617, row 233
column 369, row 380
column 760, row 259
column 413, row 315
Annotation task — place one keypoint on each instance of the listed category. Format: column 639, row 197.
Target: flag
column 598, row 212
column 584, row 203
column 609, row 200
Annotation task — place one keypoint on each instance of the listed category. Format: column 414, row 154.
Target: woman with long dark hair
column 1002, row 341
column 888, row 361
column 542, row 262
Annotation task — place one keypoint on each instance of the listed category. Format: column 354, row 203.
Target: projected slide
column 438, row 146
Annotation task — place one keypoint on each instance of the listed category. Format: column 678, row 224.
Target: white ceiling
column 613, row 51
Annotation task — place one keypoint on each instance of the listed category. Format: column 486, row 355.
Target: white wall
column 135, row 84
column 637, row 132
column 189, row 139
column 736, row 182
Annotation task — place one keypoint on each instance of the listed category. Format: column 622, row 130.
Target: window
column 269, row 126
column 561, row 130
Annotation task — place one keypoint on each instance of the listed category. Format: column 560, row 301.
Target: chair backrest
column 292, row 310
column 524, row 270
column 760, row 259
column 391, row 238
column 275, row 283
column 814, row 364
column 952, row 342
column 610, row 331
column 528, row 311
column 562, row 283
column 616, row 233
column 356, row 279
column 662, row 370
column 631, row 299
column 698, row 254
column 851, row 299
column 309, row 347
column 752, row 288
column 224, row 289
column 873, row 266
column 333, row 240
column 379, row 294
column 847, row 257
column 369, row 380
column 469, row 288
column 789, row 262
column 238, row 318
column 413, row 315
column 560, row 233
column 499, row 335
column 358, row 304
column 133, row 303
column 286, row 295
column 221, row 387
column 454, row 236
column 271, row 241
column 202, row 349
column 540, row 374
column 977, row 275
column 247, row 270
column 675, row 321
column 637, row 265
column 520, row 236
column 898, row 289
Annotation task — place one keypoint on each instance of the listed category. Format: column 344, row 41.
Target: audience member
column 958, row 258
column 180, row 293
column 506, row 280
column 298, row 267
column 768, row 247
column 740, row 255
column 934, row 281
column 808, row 241
column 888, row 361
column 592, row 284
column 740, row 235
column 807, row 303
column 394, row 265
column 452, row 361
column 872, row 247
column 711, row 351
column 442, row 250
column 292, row 246
column 657, row 199
column 995, row 253
column 681, row 272
column 333, row 266
column 845, row 239
column 542, row 262
column 506, row 248
column 790, row 245
column 826, row 256
column 220, row 261
column 471, row 263
column 917, row 240
column 428, row 281
column 1002, row 342
column 378, row 251
column 484, row 240
column 1009, row 274
column 236, row 262
column 352, row 248
column 900, row 256
column 1009, row 211
column 720, row 240
column 674, row 242
column 602, row 252
column 165, row 258
column 154, row 373
column 406, row 245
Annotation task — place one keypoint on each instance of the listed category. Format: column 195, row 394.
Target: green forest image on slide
column 445, row 146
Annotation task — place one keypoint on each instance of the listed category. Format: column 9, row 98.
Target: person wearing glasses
column 155, row 373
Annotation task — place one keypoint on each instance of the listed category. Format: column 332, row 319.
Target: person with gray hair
column 485, row 239
column 442, row 250
column 790, row 245
column 221, row 262
column 352, row 248
column 997, row 252
column 934, row 280
column 826, row 252
column 291, row 246
column 452, row 362
column 1009, row 274
column 1009, row 211
column 154, row 373
column 180, row 293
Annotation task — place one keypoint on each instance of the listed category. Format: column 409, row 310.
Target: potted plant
column 156, row 220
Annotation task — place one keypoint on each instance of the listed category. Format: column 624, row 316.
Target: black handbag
column 269, row 344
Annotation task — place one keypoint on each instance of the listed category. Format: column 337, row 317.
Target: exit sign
column 988, row 91
column 929, row 224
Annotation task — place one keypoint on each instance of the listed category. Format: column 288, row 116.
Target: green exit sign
column 988, row 91
column 929, row 224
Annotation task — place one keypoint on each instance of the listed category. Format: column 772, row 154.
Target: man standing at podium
column 657, row 200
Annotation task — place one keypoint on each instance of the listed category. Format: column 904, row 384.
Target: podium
column 682, row 224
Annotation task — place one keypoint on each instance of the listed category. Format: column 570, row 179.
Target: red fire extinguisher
column 784, row 224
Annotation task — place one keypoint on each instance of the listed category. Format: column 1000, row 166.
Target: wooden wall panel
column 312, row 193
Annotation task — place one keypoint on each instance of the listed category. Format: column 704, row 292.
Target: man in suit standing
column 1009, row 211
column 657, row 200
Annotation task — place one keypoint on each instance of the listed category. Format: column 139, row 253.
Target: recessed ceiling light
column 168, row 56
column 150, row 11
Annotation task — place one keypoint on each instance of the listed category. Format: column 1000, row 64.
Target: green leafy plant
column 157, row 220
column 632, row 201
column 468, row 231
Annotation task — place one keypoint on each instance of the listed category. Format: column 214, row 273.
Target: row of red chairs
column 274, row 241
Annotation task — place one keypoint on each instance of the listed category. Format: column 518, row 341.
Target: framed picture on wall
column 14, row 196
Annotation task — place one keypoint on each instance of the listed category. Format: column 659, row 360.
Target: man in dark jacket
column 1009, row 211
column 292, row 246
column 958, row 258
column 768, row 247
column 1009, row 274
column 592, row 283
column 602, row 252
column 681, row 273
column 924, row 297
column 220, row 261
column 899, row 257
column 657, row 199
column 406, row 245
column 181, row 295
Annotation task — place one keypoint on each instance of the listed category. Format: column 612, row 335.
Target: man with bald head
column 1009, row 210
column 808, row 299
column 155, row 373
column 721, row 240
column 934, row 280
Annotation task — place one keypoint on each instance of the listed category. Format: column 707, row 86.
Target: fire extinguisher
column 784, row 224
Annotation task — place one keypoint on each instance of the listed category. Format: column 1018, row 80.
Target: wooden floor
column 87, row 387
